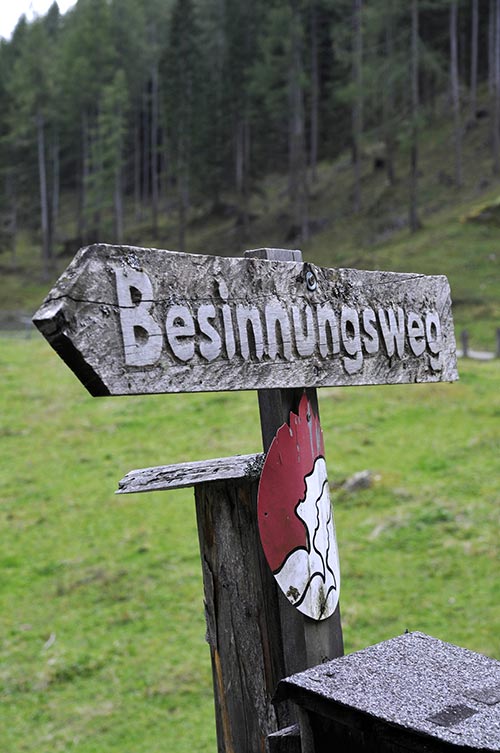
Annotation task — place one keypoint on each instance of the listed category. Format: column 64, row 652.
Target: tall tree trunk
column 491, row 48
column 473, row 59
column 83, row 204
column 240, row 176
column 239, row 156
column 97, row 176
column 455, row 92
column 145, row 146
column 44, row 200
column 165, row 167
column 118, row 175
column 154, row 148
column 496, row 95
column 162, row 158
column 137, row 166
column 118, row 203
column 56, row 182
column 314, row 116
column 357, row 109
column 388, row 97
column 11, row 195
column 182, row 202
column 241, row 173
column 414, row 220
column 297, row 147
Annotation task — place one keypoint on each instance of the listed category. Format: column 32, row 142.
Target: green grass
column 101, row 600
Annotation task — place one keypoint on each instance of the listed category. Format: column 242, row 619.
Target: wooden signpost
column 143, row 321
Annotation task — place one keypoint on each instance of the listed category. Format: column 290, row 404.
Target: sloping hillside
column 460, row 235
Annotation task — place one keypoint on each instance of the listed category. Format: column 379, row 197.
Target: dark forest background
column 123, row 112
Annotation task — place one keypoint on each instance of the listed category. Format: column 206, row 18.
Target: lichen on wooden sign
column 138, row 321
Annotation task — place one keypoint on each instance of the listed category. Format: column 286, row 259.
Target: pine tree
column 88, row 62
column 182, row 86
column 495, row 21
column 298, row 185
column 474, row 58
column 414, row 220
column 33, row 96
column 357, row 107
column 129, row 23
column 278, row 90
column 242, row 22
column 455, row 91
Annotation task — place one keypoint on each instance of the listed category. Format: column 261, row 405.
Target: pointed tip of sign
column 49, row 327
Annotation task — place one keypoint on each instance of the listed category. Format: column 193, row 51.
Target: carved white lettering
column 227, row 320
column 306, row 343
column 268, row 331
column 371, row 341
column 142, row 336
column 179, row 326
column 210, row 346
column 277, row 319
column 249, row 324
column 434, row 339
column 416, row 333
column 351, row 340
column 328, row 341
column 393, row 332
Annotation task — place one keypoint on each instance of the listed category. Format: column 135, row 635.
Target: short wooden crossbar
column 182, row 475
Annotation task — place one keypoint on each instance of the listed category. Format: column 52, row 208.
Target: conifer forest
column 137, row 109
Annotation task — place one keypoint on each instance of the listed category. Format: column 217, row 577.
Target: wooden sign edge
column 50, row 320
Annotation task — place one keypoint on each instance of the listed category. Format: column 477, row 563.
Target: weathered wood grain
column 139, row 321
column 181, row 475
column 306, row 642
column 285, row 740
column 242, row 615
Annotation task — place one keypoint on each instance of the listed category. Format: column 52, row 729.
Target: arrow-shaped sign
column 141, row 321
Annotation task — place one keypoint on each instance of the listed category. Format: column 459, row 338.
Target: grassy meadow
column 101, row 602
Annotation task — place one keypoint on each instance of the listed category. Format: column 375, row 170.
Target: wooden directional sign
column 141, row 321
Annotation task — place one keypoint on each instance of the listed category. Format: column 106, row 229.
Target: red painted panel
column 295, row 516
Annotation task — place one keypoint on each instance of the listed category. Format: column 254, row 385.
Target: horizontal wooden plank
column 181, row 475
column 142, row 321
column 285, row 740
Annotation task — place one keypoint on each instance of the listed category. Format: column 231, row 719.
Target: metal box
column 410, row 693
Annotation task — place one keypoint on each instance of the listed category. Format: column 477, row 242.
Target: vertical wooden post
column 241, row 601
column 243, row 617
column 305, row 641
column 256, row 636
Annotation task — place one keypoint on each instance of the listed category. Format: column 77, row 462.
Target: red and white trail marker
column 295, row 516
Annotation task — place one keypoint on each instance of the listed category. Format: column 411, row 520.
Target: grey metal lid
column 414, row 681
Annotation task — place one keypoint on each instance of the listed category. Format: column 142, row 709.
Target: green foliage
column 225, row 90
column 183, row 74
column 101, row 600
column 106, row 146
column 269, row 77
column 88, row 57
